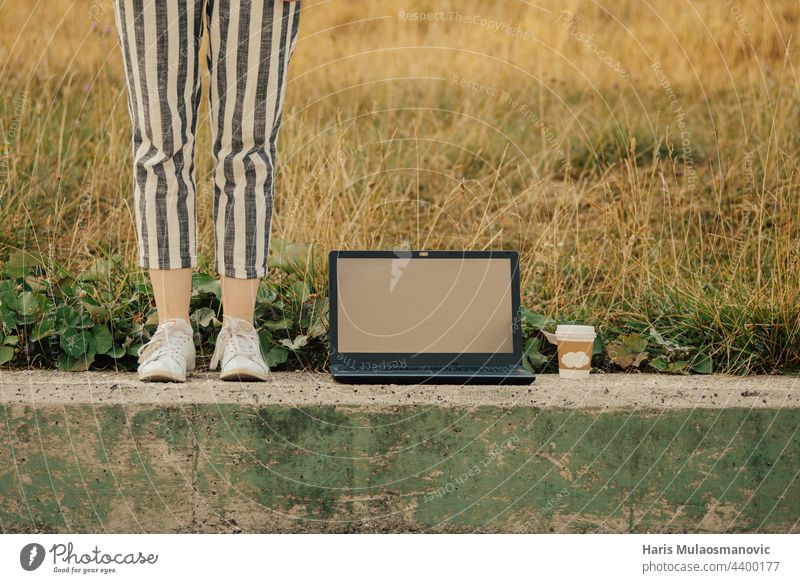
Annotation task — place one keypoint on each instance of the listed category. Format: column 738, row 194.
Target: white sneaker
column 170, row 353
column 239, row 352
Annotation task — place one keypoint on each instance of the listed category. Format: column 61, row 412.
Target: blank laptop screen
column 424, row 305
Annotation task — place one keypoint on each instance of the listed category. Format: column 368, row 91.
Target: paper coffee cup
column 575, row 345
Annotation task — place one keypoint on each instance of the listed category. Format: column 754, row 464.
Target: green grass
column 99, row 318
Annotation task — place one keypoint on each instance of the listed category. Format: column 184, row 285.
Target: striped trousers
column 250, row 43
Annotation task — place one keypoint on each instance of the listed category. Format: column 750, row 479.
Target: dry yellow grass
column 631, row 151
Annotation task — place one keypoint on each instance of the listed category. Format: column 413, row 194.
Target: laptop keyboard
column 505, row 369
column 496, row 369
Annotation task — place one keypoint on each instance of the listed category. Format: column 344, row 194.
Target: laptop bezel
column 393, row 361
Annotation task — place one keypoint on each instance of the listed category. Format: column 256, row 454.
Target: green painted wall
column 205, row 468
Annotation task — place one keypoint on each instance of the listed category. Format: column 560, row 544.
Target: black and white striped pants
column 250, row 43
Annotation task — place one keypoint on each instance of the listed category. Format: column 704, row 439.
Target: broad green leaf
column 43, row 329
column 628, row 351
column 538, row 321
column 22, row 263
column 267, row 294
column 95, row 309
column 12, row 340
column 29, row 304
column 660, row 363
column 75, row 343
column 663, row 364
column 9, row 318
column 6, row 354
column 283, row 324
column 100, row 270
column 37, row 284
column 532, row 355
column 597, row 347
column 103, row 339
column 295, row 258
column 276, row 356
column 679, row 367
column 204, row 283
column 702, row 364
column 527, row 365
column 77, row 364
column 265, row 340
column 9, row 300
column 85, row 320
column 66, row 317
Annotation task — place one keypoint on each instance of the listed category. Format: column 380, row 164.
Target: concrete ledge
column 299, row 389
column 620, row 453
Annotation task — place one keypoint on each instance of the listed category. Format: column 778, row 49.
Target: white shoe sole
column 243, row 375
column 163, row 376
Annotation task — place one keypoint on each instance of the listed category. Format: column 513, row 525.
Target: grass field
column 641, row 156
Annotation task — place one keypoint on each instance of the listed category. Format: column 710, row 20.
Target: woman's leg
column 160, row 43
column 172, row 290
column 250, row 45
column 239, row 297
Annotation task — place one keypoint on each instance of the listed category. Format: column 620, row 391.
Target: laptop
column 435, row 317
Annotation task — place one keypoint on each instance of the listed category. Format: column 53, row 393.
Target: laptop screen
column 424, row 305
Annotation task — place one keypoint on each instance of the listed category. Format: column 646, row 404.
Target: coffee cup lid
column 574, row 330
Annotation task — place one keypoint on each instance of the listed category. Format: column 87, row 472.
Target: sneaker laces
column 165, row 342
column 238, row 338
